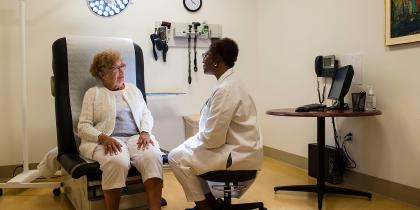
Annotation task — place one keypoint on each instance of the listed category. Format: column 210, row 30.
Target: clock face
column 107, row 8
column 192, row 5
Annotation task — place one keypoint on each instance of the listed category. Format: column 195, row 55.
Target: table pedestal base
column 321, row 192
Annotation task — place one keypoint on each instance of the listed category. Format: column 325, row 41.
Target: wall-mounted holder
column 185, row 35
column 160, row 39
column 177, row 35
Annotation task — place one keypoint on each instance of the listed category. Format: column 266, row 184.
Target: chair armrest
column 78, row 167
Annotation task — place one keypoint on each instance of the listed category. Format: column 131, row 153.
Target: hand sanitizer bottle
column 370, row 100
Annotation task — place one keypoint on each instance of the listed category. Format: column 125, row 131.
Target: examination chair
column 232, row 182
column 71, row 59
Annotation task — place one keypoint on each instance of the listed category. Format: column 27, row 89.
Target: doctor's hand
column 111, row 145
column 144, row 141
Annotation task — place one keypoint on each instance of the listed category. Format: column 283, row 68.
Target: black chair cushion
column 229, row 176
column 78, row 167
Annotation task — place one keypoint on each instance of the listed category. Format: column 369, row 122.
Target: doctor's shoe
column 213, row 208
column 219, row 203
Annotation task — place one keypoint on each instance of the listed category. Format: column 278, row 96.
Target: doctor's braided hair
column 225, row 49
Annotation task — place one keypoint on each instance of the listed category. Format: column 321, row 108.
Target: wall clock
column 193, row 5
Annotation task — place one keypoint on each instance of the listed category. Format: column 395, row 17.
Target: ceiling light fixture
column 107, row 8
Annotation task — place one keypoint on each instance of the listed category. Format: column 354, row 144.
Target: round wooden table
column 320, row 188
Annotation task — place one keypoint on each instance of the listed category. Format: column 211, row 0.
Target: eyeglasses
column 205, row 55
column 121, row 67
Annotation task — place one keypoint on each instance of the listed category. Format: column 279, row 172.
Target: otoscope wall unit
column 178, row 33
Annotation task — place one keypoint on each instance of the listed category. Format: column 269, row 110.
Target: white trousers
column 194, row 187
column 115, row 167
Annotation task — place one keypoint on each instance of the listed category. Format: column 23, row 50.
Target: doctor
column 228, row 125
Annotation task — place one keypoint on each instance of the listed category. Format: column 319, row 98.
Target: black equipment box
column 332, row 163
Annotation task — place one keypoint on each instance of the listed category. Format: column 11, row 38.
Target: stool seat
column 231, row 180
column 229, row 176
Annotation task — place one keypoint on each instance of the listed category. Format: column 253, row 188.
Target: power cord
column 352, row 163
column 337, row 143
column 349, row 163
column 321, row 98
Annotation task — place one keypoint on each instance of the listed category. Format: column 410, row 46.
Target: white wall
column 53, row 19
column 293, row 33
column 278, row 42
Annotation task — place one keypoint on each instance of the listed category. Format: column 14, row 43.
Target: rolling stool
column 231, row 180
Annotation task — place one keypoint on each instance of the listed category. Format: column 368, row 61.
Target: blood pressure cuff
column 159, row 43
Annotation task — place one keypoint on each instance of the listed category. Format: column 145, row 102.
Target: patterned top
column 124, row 123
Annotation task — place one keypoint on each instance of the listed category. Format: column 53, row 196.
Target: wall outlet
column 354, row 59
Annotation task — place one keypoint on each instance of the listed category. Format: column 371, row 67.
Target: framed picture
column 402, row 21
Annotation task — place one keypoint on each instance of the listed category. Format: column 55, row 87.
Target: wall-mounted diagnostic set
column 182, row 35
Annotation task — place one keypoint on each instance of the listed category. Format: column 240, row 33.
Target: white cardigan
column 98, row 115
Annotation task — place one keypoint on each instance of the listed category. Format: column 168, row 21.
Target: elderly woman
column 227, row 128
column 115, row 128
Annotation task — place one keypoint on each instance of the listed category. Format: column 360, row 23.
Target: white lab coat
column 228, row 124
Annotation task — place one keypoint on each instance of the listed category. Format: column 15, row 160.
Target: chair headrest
column 80, row 52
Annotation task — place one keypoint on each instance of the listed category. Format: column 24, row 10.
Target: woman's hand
column 111, row 145
column 144, row 141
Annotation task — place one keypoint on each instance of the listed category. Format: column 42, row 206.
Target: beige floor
column 273, row 173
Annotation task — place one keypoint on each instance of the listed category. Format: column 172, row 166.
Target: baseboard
column 292, row 159
column 7, row 171
column 355, row 179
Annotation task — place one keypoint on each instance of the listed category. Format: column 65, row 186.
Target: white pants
column 194, row 187
column 115, row 167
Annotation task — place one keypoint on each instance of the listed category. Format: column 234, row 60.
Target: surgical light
column 107, row 8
